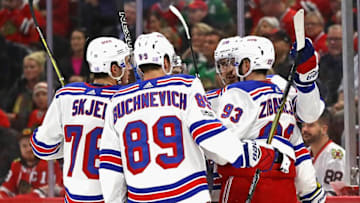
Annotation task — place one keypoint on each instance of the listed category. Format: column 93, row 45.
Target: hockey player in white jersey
column 74, row 122
column 328, row 157
column 157, row 128
column 249, row 107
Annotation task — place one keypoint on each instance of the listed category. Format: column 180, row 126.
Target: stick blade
column 177, row 13
column 299, row 29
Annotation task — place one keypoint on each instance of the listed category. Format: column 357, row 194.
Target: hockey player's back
column 73, row 125
column 167, row 157
column 82, row 108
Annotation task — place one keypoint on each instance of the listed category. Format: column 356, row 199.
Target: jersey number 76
column 91, row 151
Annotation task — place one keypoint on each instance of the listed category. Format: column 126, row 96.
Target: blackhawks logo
column 337, row 153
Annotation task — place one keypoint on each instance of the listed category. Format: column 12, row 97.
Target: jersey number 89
column 167, row 133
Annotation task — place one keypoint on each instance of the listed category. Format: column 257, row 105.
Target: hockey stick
column 127, row 36
column 300, row 40
column 61, row 78
column 177, row 13
column 124, row 26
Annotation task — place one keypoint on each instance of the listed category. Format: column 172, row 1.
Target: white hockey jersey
column 156, row 127
column 309, row 104
column 72, row 130
column 329, row 164
column 248, row 108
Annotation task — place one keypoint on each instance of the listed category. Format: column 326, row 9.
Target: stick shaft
column 43, row 41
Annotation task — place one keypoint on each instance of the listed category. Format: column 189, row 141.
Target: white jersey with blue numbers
column 248, row 108
column 156, row 127
column 72, row 130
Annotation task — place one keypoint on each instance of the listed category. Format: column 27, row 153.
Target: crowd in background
column 22, row 62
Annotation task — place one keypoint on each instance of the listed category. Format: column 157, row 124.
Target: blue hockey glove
column 307, row 70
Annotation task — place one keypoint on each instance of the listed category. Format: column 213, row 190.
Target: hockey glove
column 316, row 196
column 256, row 156
column 307, row 70
column 270, row 156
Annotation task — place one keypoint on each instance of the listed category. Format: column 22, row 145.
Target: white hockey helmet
column 225, row 50
column 260, row 52
column 152, row 48
column 102, row 51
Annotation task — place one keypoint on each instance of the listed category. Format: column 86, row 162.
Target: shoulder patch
column 337, row 153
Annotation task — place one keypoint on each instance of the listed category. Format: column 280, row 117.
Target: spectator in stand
column 283, row 61
column 198, row 33
column 323, row 6
column 173, row 37
column 162, row 8
column 280, row 9
column 4, row 121
column 11, row 56
column 99, row 17
column 207, row 70
column 74, row 63
column 314, row 29
column 9, row 150
column 28, row 176
column 16, row 22
column 330, row 66
column 219, row 15
column 19, row 99
column 266, row 26
column 197, row 12
column 328, row 157
column 61, row 25
column 155, row 23
column 40, row 98
column 335, row 15
column 60, row 16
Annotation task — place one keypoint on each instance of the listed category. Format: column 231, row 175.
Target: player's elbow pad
column 316, row 196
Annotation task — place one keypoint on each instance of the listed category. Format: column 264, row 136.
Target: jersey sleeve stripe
column 299, row 160
column 72, row 198
column 312, row 195
column 170, row 193
column 104, row 165
column 42, row 149
column 301, row 152
column 200, row 123
column 110, row 152
column 207, row 135
column 297, row 147
column 205, row 129
column 111, row 159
